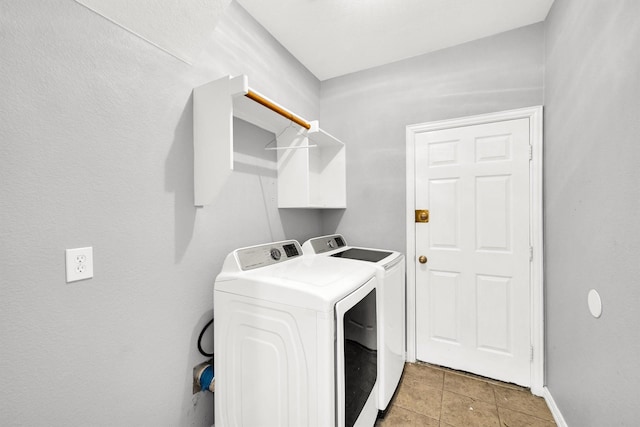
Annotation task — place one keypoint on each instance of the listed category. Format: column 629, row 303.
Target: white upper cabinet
column 311, row 162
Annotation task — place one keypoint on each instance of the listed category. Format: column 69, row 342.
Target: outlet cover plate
column 79, row 263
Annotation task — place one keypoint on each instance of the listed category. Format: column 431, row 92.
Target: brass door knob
column 422, row 259
column 423, row 216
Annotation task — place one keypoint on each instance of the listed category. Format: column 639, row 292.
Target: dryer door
column 356, row 359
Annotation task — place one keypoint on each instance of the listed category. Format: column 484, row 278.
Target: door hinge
column 530, row 253
column 531, row 152
column 531, row 354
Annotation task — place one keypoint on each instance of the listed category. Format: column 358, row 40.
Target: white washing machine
column 390, row 266
column 282, row 354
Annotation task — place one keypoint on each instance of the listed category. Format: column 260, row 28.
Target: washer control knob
column 275, row 254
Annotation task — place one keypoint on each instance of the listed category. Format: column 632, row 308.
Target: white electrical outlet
column 79, row 264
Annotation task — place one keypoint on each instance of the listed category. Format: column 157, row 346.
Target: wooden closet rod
column 273, row 107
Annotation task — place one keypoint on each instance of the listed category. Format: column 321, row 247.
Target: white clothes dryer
column 390, row 266
column 282, row 355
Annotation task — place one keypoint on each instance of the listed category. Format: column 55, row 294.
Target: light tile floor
column 433, row 396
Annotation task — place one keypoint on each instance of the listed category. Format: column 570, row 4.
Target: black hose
column 204, row 353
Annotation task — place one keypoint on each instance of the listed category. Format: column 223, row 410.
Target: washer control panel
column 267, row 254
column 327, row 243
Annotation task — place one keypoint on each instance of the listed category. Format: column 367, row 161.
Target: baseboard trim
column 557, row 415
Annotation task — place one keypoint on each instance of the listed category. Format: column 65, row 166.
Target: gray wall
column 592, row 200
column 370, row 110
column 96, row 150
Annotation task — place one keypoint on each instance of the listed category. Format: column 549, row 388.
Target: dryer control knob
column 275, row 254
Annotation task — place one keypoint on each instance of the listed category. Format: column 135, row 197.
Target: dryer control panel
column 267, row 254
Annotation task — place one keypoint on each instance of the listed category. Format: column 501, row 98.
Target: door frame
column 534, row 114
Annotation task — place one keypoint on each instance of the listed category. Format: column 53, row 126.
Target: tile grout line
column 444, row 374
column 488, row 380
column 495, row 398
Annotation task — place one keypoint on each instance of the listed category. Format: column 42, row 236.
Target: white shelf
column 312, row 177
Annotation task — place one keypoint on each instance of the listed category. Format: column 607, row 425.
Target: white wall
column 592, row 198
column 96, row 150
column 371, row 109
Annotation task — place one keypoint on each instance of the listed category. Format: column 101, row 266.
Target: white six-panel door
column 473, row 293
